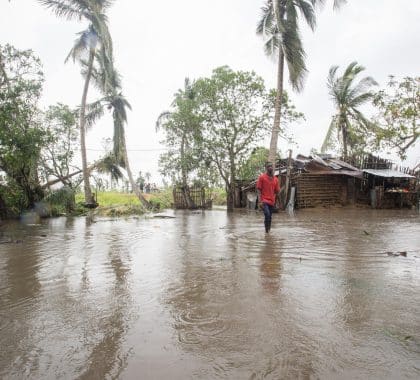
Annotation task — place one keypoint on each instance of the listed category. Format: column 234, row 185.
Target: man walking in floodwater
column 268, row 189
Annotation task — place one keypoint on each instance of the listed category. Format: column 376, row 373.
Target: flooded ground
column 328, row 294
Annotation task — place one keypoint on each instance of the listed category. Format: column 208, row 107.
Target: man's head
column 269, row 168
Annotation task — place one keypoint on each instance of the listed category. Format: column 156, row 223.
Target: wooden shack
column 318, row 181
column 385, row 185
column 322, row 180
column 390, row 188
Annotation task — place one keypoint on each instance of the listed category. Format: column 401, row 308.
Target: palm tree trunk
column 287, row 184
column 277, row 110
column 133, row 184
column 344, row 133
column 88, row 193
column 345, row 154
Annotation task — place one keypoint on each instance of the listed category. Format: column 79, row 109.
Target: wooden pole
column 287, row 184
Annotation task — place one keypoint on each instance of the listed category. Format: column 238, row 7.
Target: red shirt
column 268, row 186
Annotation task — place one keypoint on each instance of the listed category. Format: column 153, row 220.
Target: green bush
column 218, row 196
column 13, row 201
column 162, row 199
column 58, row 202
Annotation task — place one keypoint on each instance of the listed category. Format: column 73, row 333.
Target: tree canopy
column 215, row 123
column 397, row 120
column 21, row 134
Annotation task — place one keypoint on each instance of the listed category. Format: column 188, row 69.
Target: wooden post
column 287, row 184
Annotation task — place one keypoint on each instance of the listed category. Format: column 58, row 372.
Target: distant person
column 268, row 189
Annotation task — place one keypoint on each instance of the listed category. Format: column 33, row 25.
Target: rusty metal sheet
column 387, row 173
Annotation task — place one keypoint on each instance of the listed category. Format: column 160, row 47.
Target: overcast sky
column 159, row 43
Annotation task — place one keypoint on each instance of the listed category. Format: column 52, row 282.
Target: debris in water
column 402, row 253
column 366, row 233
column 11, row 241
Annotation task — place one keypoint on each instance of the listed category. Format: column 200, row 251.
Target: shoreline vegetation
column 115, row 204
column 110, row 204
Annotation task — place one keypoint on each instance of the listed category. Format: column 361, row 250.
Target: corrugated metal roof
column 387, row 173
column 351, row 173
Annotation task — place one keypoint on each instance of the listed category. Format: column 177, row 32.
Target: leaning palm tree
column 108, row 82
column 348, row 96
column 95, row 39
column 279, row 25
column 119, row 104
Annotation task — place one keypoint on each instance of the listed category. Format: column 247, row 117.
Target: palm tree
column 347, row 97
column 108, row 81
column 95, row 39
column 119, row 104
column 279, row 26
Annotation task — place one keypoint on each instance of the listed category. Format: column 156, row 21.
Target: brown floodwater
column 207, row 295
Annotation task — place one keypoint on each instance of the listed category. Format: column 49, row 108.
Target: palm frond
column 162, row 119
column 362, row 87
column 94, row 111
column 339, row 3
column 108, row 164
column 361, row 119
column 328, row 137
column 352, row 70
column 80, row 46
column 360, row 99
column 295, row 56
column 266, row 22
column 272, row 45
column 100, row 25
column 68, row 9
column 308, row 12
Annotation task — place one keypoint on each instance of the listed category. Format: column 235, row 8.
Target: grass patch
column 113, row 203
column 112, row 198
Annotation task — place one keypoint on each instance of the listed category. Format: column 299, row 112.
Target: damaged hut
column 318, row 181
column 322, row 180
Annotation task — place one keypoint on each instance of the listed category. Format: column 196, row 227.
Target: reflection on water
column 326, row 294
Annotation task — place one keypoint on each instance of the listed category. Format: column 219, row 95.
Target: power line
column 132, row 150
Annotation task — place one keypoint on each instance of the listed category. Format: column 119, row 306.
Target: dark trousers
column 268, row 211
